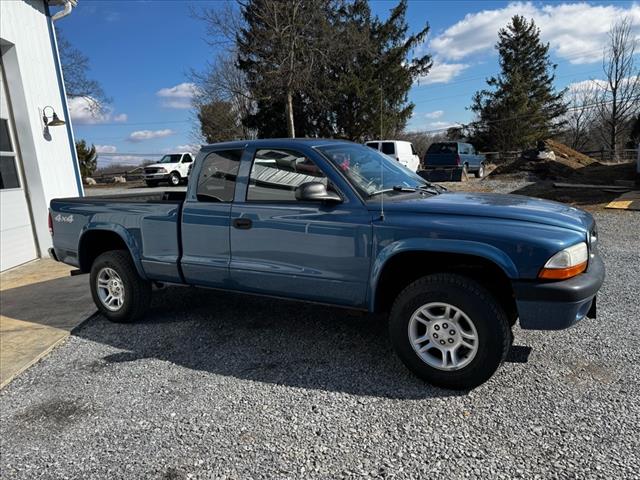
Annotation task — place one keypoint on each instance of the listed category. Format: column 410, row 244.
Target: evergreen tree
column 522, row 106
column 87, row 158
column 349, row 77
column 372, row 73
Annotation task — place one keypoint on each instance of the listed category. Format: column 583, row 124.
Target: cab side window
column 217, row 180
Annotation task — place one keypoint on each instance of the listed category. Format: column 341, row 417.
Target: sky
column 142, row 54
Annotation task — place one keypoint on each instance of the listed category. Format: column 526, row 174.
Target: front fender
column 129, row 240
column 435, row 245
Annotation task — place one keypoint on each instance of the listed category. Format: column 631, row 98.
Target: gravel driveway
column 214, row 385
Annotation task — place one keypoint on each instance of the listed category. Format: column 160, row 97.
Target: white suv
column 399, row 150
column 172, row 168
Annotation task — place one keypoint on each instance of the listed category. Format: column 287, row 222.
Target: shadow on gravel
column 266, row 340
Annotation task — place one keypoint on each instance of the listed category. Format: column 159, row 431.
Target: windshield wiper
column 402, row 188
column 433, row 187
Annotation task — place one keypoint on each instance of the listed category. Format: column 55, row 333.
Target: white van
column 399, row 150
column 172, row 168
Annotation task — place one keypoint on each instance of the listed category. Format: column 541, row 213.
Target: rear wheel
column 480, row 172
column 174, row 179
column 449, row 331
column 118, row 291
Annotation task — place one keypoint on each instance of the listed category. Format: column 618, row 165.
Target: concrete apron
column 40, row 304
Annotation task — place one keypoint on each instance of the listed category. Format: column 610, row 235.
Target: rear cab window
column 443, row 148
column 217, row 179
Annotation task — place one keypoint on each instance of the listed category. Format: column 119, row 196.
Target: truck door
column 285, row 247
column 206, row 219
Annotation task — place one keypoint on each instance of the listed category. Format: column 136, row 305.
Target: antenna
column 381, row 164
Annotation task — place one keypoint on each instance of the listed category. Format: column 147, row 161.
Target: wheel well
column 404, row 268
column 94, row 243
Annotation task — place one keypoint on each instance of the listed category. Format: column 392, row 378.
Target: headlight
column 162, row 170
column 566, row 263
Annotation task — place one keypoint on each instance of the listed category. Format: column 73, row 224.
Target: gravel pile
column 214, row 385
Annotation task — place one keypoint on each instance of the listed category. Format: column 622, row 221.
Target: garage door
column 16, row 232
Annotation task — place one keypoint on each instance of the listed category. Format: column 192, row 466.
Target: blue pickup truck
column 457, row 155
column 338, row 223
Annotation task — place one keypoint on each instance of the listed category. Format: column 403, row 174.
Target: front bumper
column 156, row 176
column 558, row 305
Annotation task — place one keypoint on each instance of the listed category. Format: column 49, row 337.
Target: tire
column 151, row 183
column 479, row 310
column 136, row 292
column 174, row 179
column 480, row 172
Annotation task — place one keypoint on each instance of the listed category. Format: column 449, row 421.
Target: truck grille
column 151, row 170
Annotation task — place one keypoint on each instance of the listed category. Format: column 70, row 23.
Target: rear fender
column 129, row 240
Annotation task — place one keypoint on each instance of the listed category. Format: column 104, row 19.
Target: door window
column 187, row 158
column 217, row 179
column 275, row 175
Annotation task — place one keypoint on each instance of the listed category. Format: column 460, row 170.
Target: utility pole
column 381, row 102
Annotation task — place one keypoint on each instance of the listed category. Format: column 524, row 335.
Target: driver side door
column 298, row 249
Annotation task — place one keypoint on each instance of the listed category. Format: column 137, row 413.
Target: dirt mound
column 567, row 161
column 568, row 153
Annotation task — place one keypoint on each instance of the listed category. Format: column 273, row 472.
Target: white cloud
column 442, row 73
column 442, row 125
column 106, row 148
column 178, row 96
column 192, row 148
column 81, row 112
column 577, row 32
column 435, row 114
column 142, row 135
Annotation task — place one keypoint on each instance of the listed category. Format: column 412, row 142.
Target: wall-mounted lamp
column 55, row 120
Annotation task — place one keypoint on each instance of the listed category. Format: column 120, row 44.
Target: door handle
column 242, row 223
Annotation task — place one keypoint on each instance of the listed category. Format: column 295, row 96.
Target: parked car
column 399, row 150
column 455, row 154
column 334, row 222
column 172, row 168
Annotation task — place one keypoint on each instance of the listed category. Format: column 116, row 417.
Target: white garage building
column 37, row 157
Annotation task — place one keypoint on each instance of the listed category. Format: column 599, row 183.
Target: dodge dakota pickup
column 338, row 223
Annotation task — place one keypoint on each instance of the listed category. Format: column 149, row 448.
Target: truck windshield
column 174, row 158
column 369, row 171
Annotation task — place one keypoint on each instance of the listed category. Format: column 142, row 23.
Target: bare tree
column 619, row 97
column 222, row 83
column 75, row 68
column 580, row 114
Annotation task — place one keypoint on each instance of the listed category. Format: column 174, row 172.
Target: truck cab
column 172, row 168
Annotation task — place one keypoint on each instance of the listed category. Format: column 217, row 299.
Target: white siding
column 30, row 65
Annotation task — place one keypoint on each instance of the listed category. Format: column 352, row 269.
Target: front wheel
column 480, row 172
column 174, row 179
column 449, row 331
column 118, row 291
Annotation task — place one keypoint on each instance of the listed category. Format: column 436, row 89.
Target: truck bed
column 149, row 224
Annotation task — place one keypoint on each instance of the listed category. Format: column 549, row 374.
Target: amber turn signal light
column 562, row 273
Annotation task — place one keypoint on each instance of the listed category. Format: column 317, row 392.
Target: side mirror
column 316, row 192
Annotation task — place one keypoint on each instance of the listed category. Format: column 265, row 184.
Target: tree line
column 332, row 69
column 308, row 68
